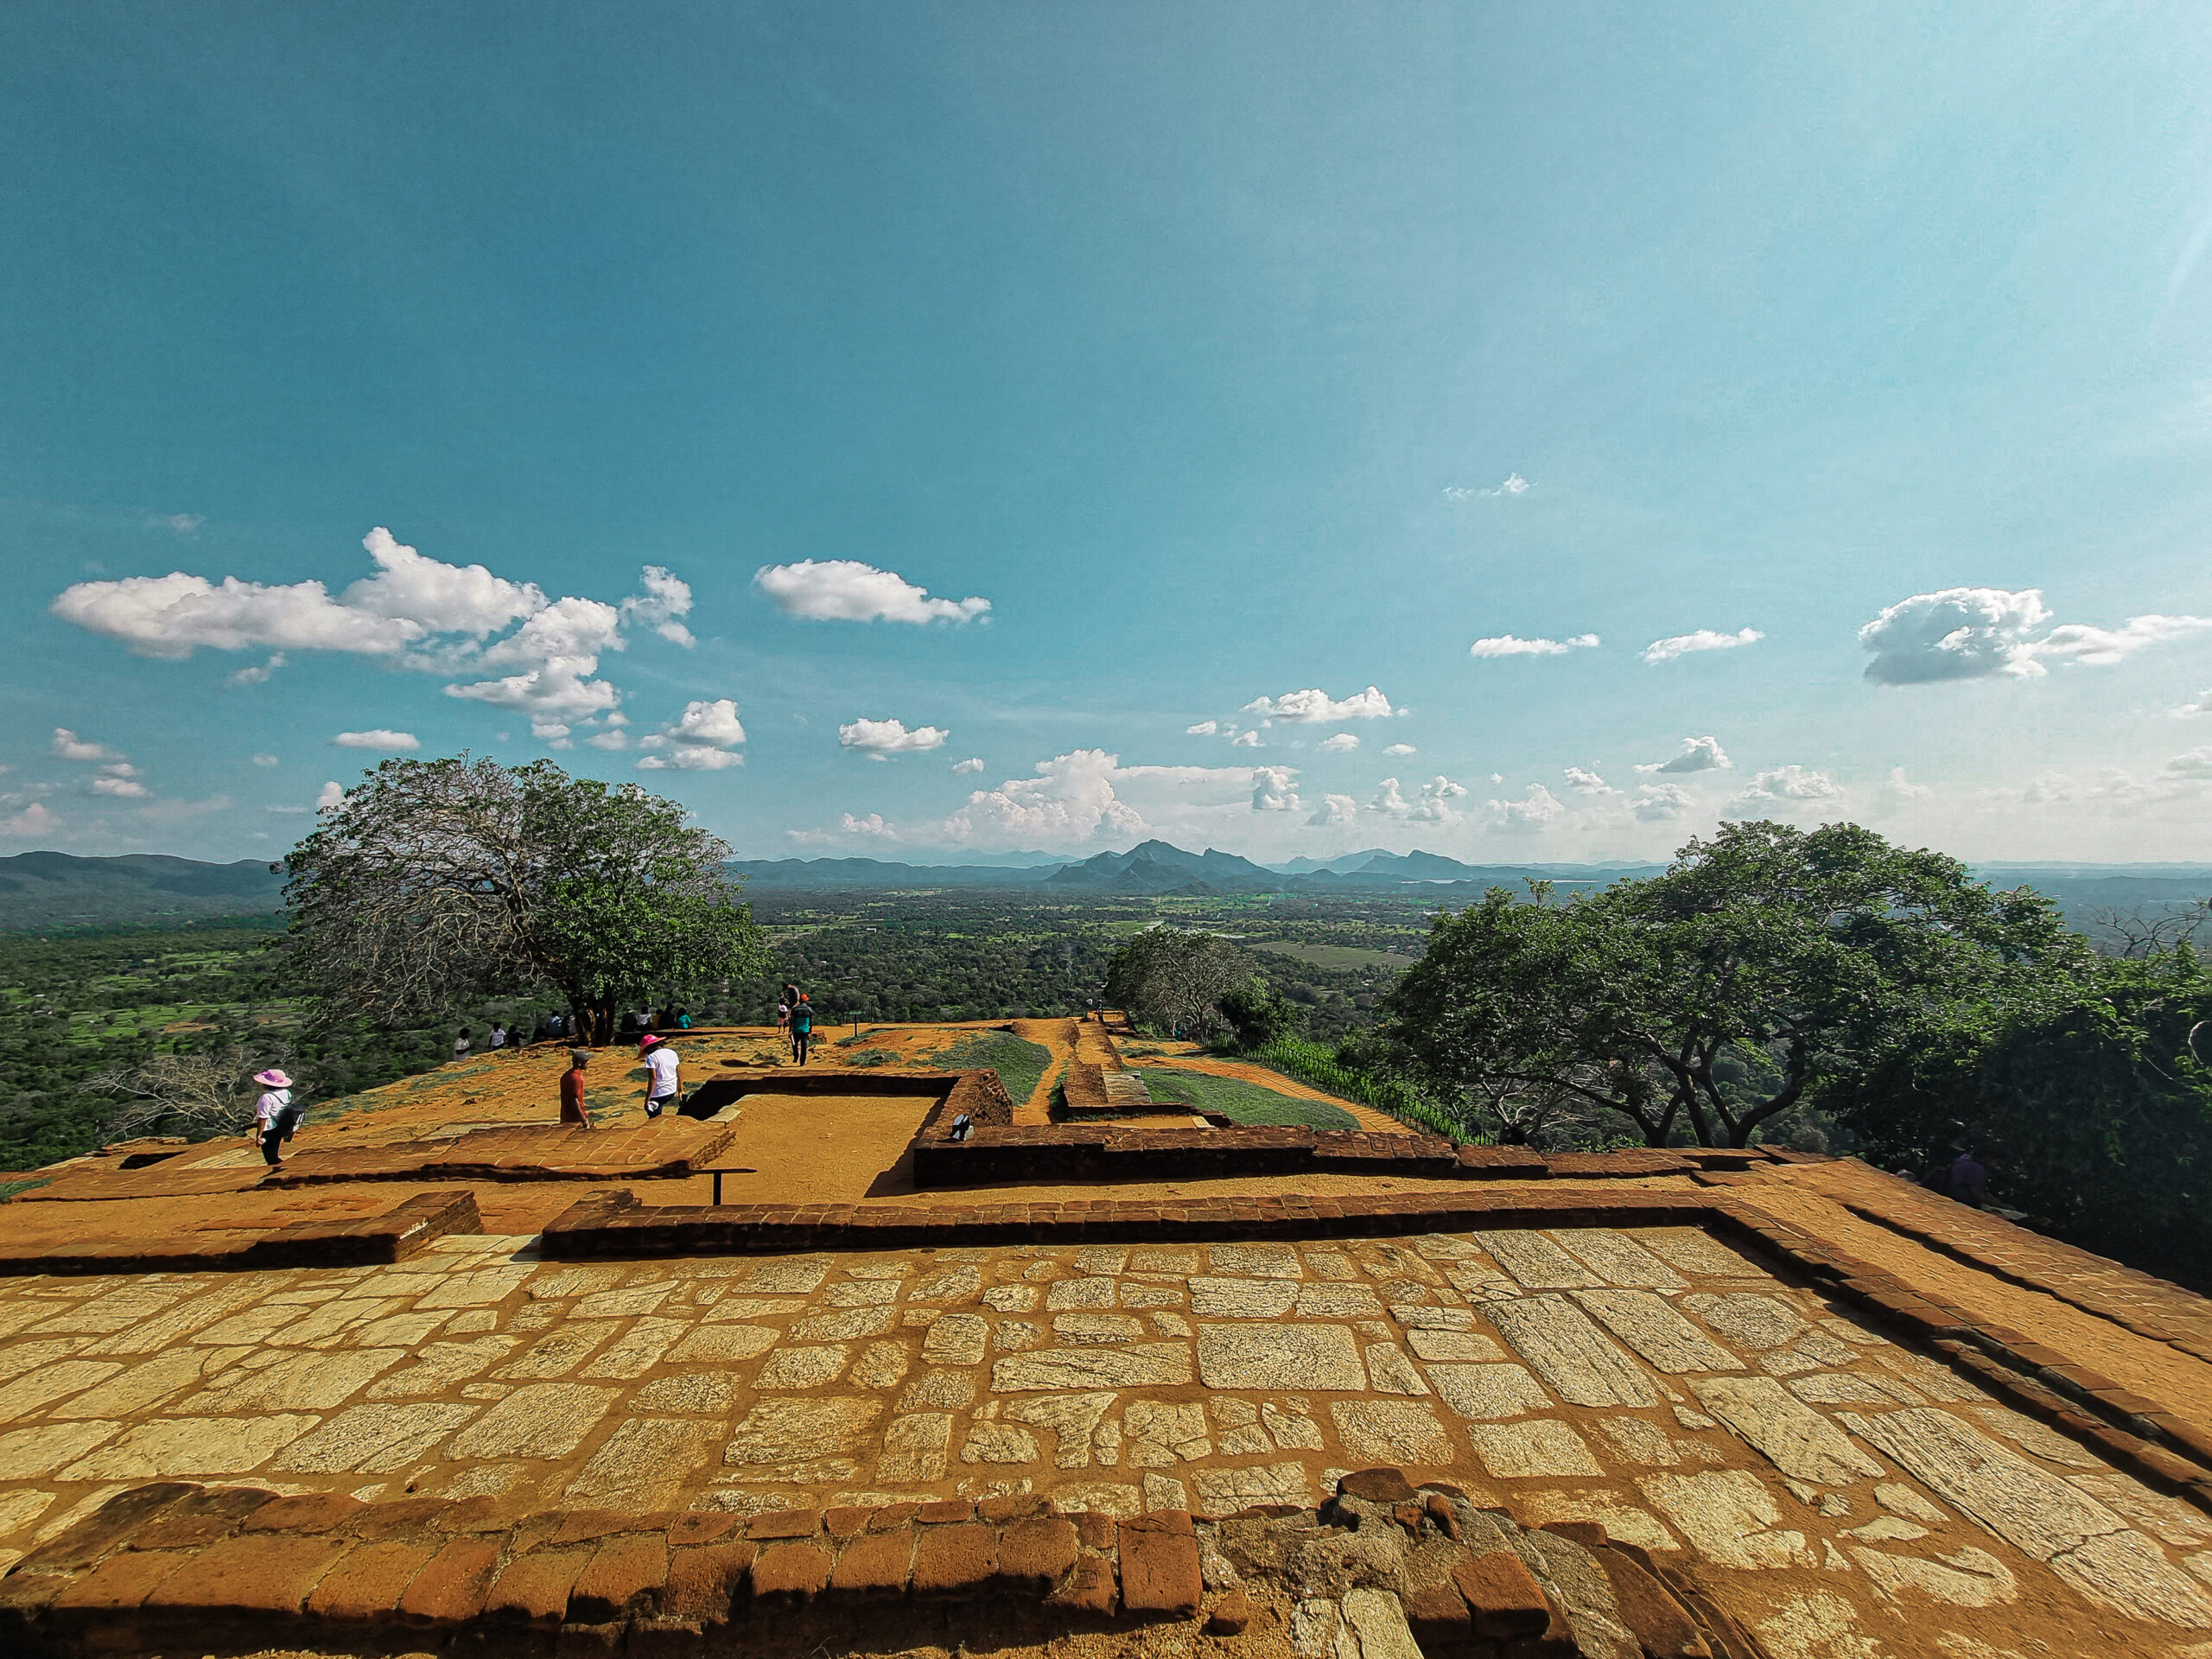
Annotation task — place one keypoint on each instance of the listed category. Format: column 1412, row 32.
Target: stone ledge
column 370, row 1241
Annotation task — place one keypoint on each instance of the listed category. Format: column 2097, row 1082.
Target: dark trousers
column 800, row 1041
column 270, row 1140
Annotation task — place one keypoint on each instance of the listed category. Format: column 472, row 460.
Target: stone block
column 891, row 1515
column 367, row 1584
column 200, row 1518
column 1502, row 1596
column 1438, row 1615
column 119, row 1518
column 452, row 1587
column 588, row 1526
column 1089, row 1589
column 1097, row 1531
column 846, row 1521
column 784, row 1523
column 876, row 1564
column 1037, row 1552
column 1231, row 1615
column 1377, row 1485
column 119, row 1583
column 790, row 1572
column 1641, row 1603
column 702, row 1527
column 703, row 1582
column 623, row 1579
column 1014, row 1506
column 937, row 1514
column 1159, row 1564
column 265, row 1575
column 954, row 1561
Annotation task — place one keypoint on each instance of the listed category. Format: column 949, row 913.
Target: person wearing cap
column 802, row 1028
column 273, row 1117
column 661, row 1063
column 572, row 1089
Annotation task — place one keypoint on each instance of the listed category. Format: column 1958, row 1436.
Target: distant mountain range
column 44, row 890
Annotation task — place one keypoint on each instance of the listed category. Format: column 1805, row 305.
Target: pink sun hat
column 273, row 1077
column 651, row 1039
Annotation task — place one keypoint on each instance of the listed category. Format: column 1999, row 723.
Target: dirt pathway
column 1059, row 1036
column 1267, row 1077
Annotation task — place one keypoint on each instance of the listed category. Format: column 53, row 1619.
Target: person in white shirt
column 498, row 1036
column 662, row 1087
column 273, row 1117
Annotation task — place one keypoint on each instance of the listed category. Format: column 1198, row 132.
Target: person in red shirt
column 572, row 1089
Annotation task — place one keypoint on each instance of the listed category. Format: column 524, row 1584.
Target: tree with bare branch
column 191, row 1095
column 437, row 883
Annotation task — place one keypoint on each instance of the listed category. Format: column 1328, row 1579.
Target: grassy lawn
column 1335, row 955
column 1020, row 1063
column 1244, row 1102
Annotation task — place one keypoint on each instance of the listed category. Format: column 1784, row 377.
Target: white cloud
column 1784, row 786
column 432, row 597
column 557, row 691
column 379, row 738
column 1071, row 798
column 665, row 600
column 703, row 739
column 1538, row 808
column 266, row 761
column 2197, row 763
column 1588, row 783
column 1390, row 798
column 1514, row 484
column 179, row 523
column 1956, row 633
column 1336, row 810
column 1904, row 788
column 69, row 746
column 2201, row 705
column 1681, row 645
column 1402, row 749
column 1274, row 789
column 257, row 675
column 1508, row 645
column 973, row 763
column 881, row 739
column 1660, row 802
column 1436, row 802
column 872, row 824
column 119, row 784
column 172, row 616
column 845, row 590
column 2077, row 642
column 1311, row 707
column 1342, row 743
column 609, row 739
column 332, row 794
column 33, row 821
column 1245, row 740
column 1204, row 728
column 1698, row 754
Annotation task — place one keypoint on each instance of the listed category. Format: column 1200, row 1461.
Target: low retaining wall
column 371, row 1241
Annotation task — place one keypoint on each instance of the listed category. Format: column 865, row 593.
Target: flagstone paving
column 1652, row 1380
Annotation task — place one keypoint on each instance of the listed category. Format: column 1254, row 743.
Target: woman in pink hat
column 662, row 1084
column 274, row 1117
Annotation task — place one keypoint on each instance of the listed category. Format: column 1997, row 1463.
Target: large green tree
column 1172, row 979
column 438, row 883
column 1766, row 963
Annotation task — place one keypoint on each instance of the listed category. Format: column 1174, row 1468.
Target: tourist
column 1969, row 1180
column 572, row 1089
column 661, row 1061
column 802, row 1028
column 556, row 1025
column 498, row 1035
column 460, row 1044
column 628, row 1026
column 784, row 1011
column 665, row 1019
column 684, row 1018
column 273, row 1117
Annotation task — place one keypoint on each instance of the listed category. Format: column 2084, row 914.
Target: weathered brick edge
column 369, row 1241
column 183, row 1567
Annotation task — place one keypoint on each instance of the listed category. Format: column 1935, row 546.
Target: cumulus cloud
column 872, row 824
column 1245, row 740
column 703, row 739
column 560, row 690
column 1335, row 810
column 1588, row 783
column 1274, row 789
column 32, row 822
column 1402, row 749
column 1698, row 754
column 429, row 596
column 1311, row 707
column 1660, row 802
column 258, row 675
column 881, row 739
column 1508, row 645
column 117, row 781
column 172, row 616
column 1204, row 728
column 2197, row 763
column 973, row 763
column 2195, row 706
column 1786, row 787
column 845, row 590
column 1342, row 743
column 1070, row 798
column 380, row 739
column 332, row 794
column 662, row 607
column 1388, row 798
column 1435, row 801
column 1904, row 788
column 1535, row 809
column 1681, row 645
column 1966, row 634
column 68, row 745
column 1514, row 484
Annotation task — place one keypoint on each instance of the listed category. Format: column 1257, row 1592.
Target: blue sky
column 893, row 428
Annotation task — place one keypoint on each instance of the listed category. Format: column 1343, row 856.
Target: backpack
column 802, row 1019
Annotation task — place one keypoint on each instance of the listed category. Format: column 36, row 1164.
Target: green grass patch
column 1335, row 955
column 1244, row 1102
column 1313, row 1064
column 1020, row 1063
column 9, row 1189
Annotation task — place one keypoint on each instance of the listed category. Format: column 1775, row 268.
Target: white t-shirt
column 662, row 1063
column 266, row 1109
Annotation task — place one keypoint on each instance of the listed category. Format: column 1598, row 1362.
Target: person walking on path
column 572, row 1089
column 498, row 1036
column 273, row 1116
column 460, row 1044
column 802, row 1028
column 661, row 1086
column 1969, row 1180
